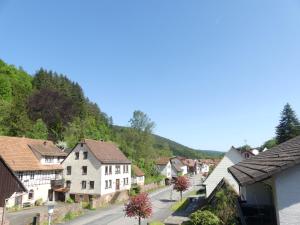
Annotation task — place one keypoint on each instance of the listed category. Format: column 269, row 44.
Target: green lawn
column 156, row 223
column 179, row 205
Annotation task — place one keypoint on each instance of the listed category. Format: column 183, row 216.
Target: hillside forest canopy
column 48, row 105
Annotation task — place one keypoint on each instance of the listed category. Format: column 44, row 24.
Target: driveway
column 161, row 200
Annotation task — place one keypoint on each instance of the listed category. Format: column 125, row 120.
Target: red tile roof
column 17, row 153
column 106, row 152
column 163, row 161
column 137, row 171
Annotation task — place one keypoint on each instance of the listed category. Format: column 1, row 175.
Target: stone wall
column 111, row 198
column 151, row 186
column 60, row 212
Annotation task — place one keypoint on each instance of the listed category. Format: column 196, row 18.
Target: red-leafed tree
column 181, row 184
column 139, row 206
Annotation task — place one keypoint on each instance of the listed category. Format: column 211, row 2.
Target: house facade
column 270, row 182
column 178, row 168
column 232, row 157
column 164, row 167
column 96, row 168
column 137, row 176
column 36, row 163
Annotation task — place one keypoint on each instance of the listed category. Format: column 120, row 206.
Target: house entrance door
column 117, row 184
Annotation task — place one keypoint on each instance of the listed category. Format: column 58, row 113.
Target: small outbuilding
column 138, row 176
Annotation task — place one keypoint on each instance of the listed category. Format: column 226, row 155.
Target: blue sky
column 211, row 74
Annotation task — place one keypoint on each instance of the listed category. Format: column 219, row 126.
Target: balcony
column 59, row 183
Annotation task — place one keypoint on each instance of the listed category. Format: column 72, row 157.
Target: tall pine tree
column 289, row 125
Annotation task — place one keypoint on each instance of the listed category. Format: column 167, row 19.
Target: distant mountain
column 182, row 150
column 162, row 145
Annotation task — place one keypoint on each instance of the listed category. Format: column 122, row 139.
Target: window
column 125, row 181
column 30, row 194
column 118, row 169
column 125, row 169
column 20, row 175
column 83, row 185
column 69, row 170
column 106, row 170
column 68, row 184
column 85, row 155
column 106, row 184
column 76, row 155
column 110, row 170
column 31, row 175
column 49, row 159
column 92, row 184
column 110, row 184
column 84, row 170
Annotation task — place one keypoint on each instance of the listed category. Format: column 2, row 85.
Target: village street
column 114, row 215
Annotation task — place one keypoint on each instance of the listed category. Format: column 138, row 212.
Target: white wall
column 184, row 170
column 76, row 177
column 113, row 177
column 39, row 183
column 231, row 157
column 165, row 170
column 287, row 196
column 258, row 194
column 95, row 172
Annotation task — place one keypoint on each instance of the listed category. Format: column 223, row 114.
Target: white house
column 37, row 165
column 232, row 157
column 96, row 168
column 178, row 168
column 270, row 183
column 137, row 176
column 164, row 167
column 204, row 167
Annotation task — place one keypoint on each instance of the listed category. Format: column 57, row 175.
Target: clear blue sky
column 211, row 74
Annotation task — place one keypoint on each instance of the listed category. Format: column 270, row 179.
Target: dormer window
column 49, row 159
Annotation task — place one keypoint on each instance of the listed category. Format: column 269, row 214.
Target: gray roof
column 268, row 163
column 177, row 164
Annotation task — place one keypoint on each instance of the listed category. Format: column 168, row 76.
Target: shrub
column 38, row 202
column 135, row 190
column 69, row 200
column 204, row 218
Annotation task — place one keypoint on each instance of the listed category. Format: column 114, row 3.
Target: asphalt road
column 161, row 200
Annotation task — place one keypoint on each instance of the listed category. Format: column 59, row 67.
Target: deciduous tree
column 181, row 184
column 139, row 207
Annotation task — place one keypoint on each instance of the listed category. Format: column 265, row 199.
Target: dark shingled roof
column 106, row 152
column 268, row 163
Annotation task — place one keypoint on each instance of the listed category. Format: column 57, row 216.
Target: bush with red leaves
column 139, row 206
column 181, row 184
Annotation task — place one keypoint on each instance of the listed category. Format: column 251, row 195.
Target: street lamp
column 50, row 205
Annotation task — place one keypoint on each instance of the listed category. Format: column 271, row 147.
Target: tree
column 141, row 122
column 289, row 125
column 39, row 130
column 139, row 207
column 55, row 109
column 181, row 184
column 269, row 144
column 204, row 218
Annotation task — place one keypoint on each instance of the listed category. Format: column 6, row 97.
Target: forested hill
column 162, row 144
column 182, row 150
column 48, row 105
